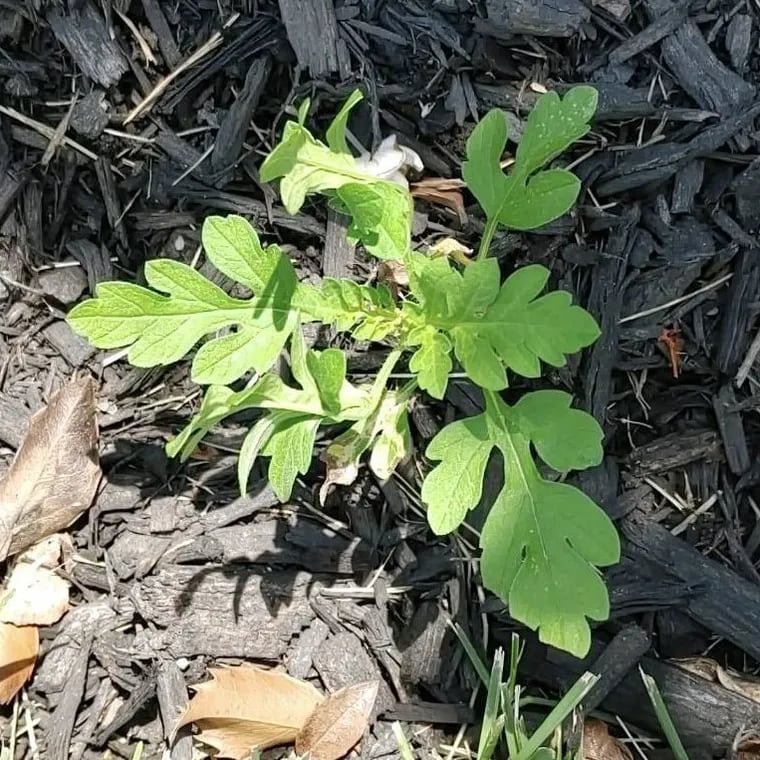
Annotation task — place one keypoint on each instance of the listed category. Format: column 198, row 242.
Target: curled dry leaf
column 748, row 749
column 599, row 745
column 739, row 683
column 34, row 594
column 55, row 473
column 245, row 708
column 443, row 191
column 19, row 646
column 338, row 723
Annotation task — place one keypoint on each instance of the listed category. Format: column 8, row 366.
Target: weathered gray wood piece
column 313, row 32
column 699, row 71
column 723, row 601
column 542, row 18
column 706, row 715
column 223, row 611
column 80, row 28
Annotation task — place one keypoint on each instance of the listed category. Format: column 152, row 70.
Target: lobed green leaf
column 491, row 326
column 381, row 211
column 162, row 325
column 528, row 198
column 542, row 541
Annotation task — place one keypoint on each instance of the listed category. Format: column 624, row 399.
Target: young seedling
column 543, row 540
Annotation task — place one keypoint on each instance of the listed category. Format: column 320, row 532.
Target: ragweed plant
column 543, row 540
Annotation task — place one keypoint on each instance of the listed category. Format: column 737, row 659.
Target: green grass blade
column 663, row 716
column 556, row 717
column 472, row 653
column 493, row 719
column 405, row 750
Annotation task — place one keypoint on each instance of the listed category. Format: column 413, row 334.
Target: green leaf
column 484, row 150
column 216, row 405
column 432, row 362
column 565, row 438
column 159, row 328
column 328, row 368
column 382, row 215
column 542, row 541
column 554, row 125
column 233, row 247
column 292, row 414
column 455, row 486
column 303, row 111
column 370, row 311
column 306, row 166
column 336, row 132
column 162, row 327
column 546, row 197
column 433, row 283
column 254, row 441
column 298, row 365
column 394, row 439
column 381, row 211
column 289, row 446
column 225, row 359
column 492, row 326
column 528, row 198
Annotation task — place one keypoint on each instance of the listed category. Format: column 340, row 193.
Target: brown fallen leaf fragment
column 740, row 683
column 55, row 473
column 599, row 745
column 245, row 707
column 748, row 749
column 33, row 593
column 338, row 723
column 19, row 646
column 444, row 192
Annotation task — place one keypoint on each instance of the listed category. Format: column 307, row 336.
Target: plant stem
column 485, row 241
column 383, row 374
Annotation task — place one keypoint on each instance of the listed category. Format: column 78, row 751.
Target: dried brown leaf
column 703, row 667
column 338, row 723
column 740, row 683
column 245, row 708
column 444, row 192
column 19, row 646
column 599, row 745
column 55, row 473
column 34, row 594
column 440, row 183
column 748, row 749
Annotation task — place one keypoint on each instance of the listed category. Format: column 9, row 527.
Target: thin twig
column 648, row 312
column 211, row 44
column 45, row 130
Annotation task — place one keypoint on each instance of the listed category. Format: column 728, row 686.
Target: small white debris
column 390, row 161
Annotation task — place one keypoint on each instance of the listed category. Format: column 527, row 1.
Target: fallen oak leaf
column 55, row 474
column 246, row 707
column 338, row 723
column 19, row 646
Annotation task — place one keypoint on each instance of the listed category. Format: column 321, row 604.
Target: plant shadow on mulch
column 123, row 124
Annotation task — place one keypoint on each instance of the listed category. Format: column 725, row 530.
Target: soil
column 124, row 123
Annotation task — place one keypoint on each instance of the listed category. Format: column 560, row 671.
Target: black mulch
column 123, row 123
